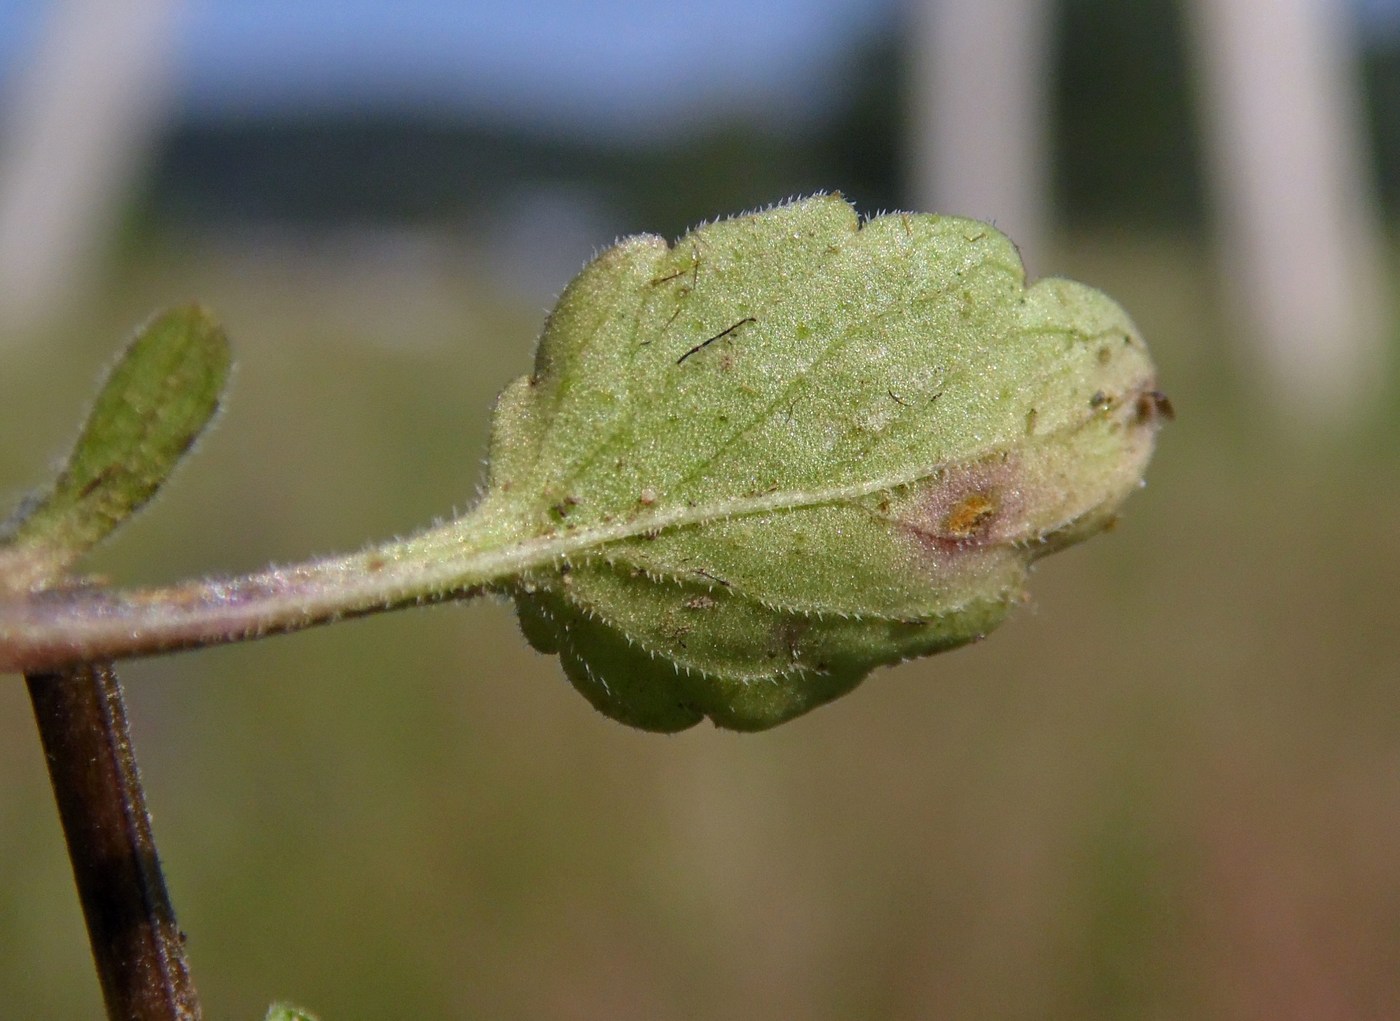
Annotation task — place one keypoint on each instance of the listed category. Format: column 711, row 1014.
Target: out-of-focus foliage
column 1126, row 132
column 1381, row 69
column 1126, row 129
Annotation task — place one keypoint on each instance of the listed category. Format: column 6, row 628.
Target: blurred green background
column 1170, row 787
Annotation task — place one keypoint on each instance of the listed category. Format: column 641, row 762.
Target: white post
column 1301, row 241
column 979, row 114
column 73, row 141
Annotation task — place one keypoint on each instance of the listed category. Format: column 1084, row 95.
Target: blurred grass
column 1170, row 787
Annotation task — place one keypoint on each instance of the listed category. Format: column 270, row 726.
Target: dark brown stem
column 136, row 945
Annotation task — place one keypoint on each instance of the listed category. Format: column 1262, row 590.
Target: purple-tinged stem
column 137, row 947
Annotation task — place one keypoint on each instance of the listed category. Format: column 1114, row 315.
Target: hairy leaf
column 156, row 401
column 790, row 448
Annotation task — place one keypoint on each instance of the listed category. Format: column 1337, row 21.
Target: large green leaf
column 791, row 447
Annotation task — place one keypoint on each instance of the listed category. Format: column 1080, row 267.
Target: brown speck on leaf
column 1153, row 406
column 99, row 480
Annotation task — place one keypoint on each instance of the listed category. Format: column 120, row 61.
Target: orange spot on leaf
column 969, row 516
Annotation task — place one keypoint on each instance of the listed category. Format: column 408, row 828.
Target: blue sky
column 623, row 65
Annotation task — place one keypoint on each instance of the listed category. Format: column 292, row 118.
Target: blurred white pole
column 73, row 141
column 1297, row 206
column 980, row 113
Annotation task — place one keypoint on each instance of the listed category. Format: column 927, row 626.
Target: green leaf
column 156, row 401
column 790, row 448
column 286, row 1012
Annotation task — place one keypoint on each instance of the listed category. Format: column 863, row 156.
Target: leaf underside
column 813, row 446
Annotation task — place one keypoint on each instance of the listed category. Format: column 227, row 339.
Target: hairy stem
column 58, row 627
column 136, row 945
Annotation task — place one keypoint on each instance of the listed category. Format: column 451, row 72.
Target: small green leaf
column 156, row 401
column 286, row 1012
column 790, row 448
